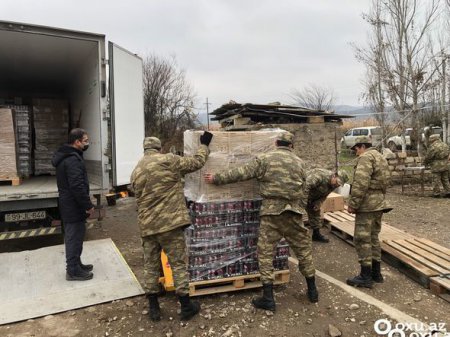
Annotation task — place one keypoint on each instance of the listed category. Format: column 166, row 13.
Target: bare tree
column 168, row 101
column 314, row 97
column 399, row 56
column 409, row 67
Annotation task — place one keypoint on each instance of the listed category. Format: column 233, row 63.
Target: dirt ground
column 231, row 314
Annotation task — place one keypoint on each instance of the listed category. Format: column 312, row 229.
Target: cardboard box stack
column 51, row 123
column 8, row 154
column 222, row 240
column 23, row 136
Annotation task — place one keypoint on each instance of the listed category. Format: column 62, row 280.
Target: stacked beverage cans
column 222, row 240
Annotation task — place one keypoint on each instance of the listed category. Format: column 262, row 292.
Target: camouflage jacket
column 281, row 175
column 157, row 184
column 437, row 156
column 370, row 181
column 317, row 186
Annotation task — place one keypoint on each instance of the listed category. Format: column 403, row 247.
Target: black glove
column 206, row 138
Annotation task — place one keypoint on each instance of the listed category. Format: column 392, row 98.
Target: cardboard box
column 334, row 202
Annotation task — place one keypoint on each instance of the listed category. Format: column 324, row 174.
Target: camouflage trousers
column 174, row 245
column 438, row 178
column 290, row 226
column 315, row 222
column 367, row 243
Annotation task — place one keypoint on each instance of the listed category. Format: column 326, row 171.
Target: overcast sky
column 254, row 51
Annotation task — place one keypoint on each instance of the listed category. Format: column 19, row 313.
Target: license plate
column 25, row 216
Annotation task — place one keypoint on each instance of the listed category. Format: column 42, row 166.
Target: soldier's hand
column 90, row 211
column 351, row 210
column 209, row 178
column 206, row 138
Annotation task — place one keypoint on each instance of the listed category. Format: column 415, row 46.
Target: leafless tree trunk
column 314, row 97
column 168, row 101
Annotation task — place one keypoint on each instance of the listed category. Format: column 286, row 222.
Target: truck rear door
column 127, row 112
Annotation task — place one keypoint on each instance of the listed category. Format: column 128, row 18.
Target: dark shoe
column 436, row 195
column 87, row 267
column 313, row 294
column 364, row 279
column 376, row 272
column 188, row 308
column 79, row 275
column 153, row 304
column 265, row 302
column 317, row 236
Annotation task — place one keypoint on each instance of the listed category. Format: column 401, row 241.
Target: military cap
column 286, row 137
column 342, row 176
column 434, row 138
column 362, row 140
column 152, row 143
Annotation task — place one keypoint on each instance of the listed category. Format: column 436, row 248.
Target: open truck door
column 127, row 112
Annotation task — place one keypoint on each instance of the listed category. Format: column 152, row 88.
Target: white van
column 374, row 132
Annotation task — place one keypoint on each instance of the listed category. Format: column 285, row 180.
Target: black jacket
column 73, row 184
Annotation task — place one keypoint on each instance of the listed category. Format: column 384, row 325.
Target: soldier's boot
column 364, row 279
column 376, row 272
column 313, row 294
column 266, row 301
column 154, row 311
column 317, row 236
column 188, row 308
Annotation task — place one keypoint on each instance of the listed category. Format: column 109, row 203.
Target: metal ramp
column 422, row 260
column 33, row 284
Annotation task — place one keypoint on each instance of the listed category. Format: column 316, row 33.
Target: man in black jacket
column 75, row 205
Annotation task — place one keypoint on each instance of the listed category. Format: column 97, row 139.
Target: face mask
column 85, row 147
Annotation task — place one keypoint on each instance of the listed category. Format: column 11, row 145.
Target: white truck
column 104, row 95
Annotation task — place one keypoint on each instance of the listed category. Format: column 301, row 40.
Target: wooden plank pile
column 420, row 259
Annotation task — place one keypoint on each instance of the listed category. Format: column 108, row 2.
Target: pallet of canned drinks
column 222, row 247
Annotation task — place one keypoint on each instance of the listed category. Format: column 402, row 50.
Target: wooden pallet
column 235, row 283
column 15, row 180
column 422, row 260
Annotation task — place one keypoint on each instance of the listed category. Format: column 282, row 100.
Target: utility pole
column 444, row 115
column 207, row 111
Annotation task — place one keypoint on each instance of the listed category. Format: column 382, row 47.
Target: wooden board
column 235, row 283
column 440, row 285
column 420, row 259
column 13, row 179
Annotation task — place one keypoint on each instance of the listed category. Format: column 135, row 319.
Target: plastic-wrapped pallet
column 8, row 168
column 51, row 123
column 222, row 240
column 228, row 150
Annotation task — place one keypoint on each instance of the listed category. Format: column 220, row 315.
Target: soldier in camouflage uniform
column 437, row 159
column 367, row 201
column 319, row 183
column 281, row 175
column 162, row 217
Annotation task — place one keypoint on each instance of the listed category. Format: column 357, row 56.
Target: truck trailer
column 47, row 72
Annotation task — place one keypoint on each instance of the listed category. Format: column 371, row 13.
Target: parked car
column 374, row 133
column 395, row 142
